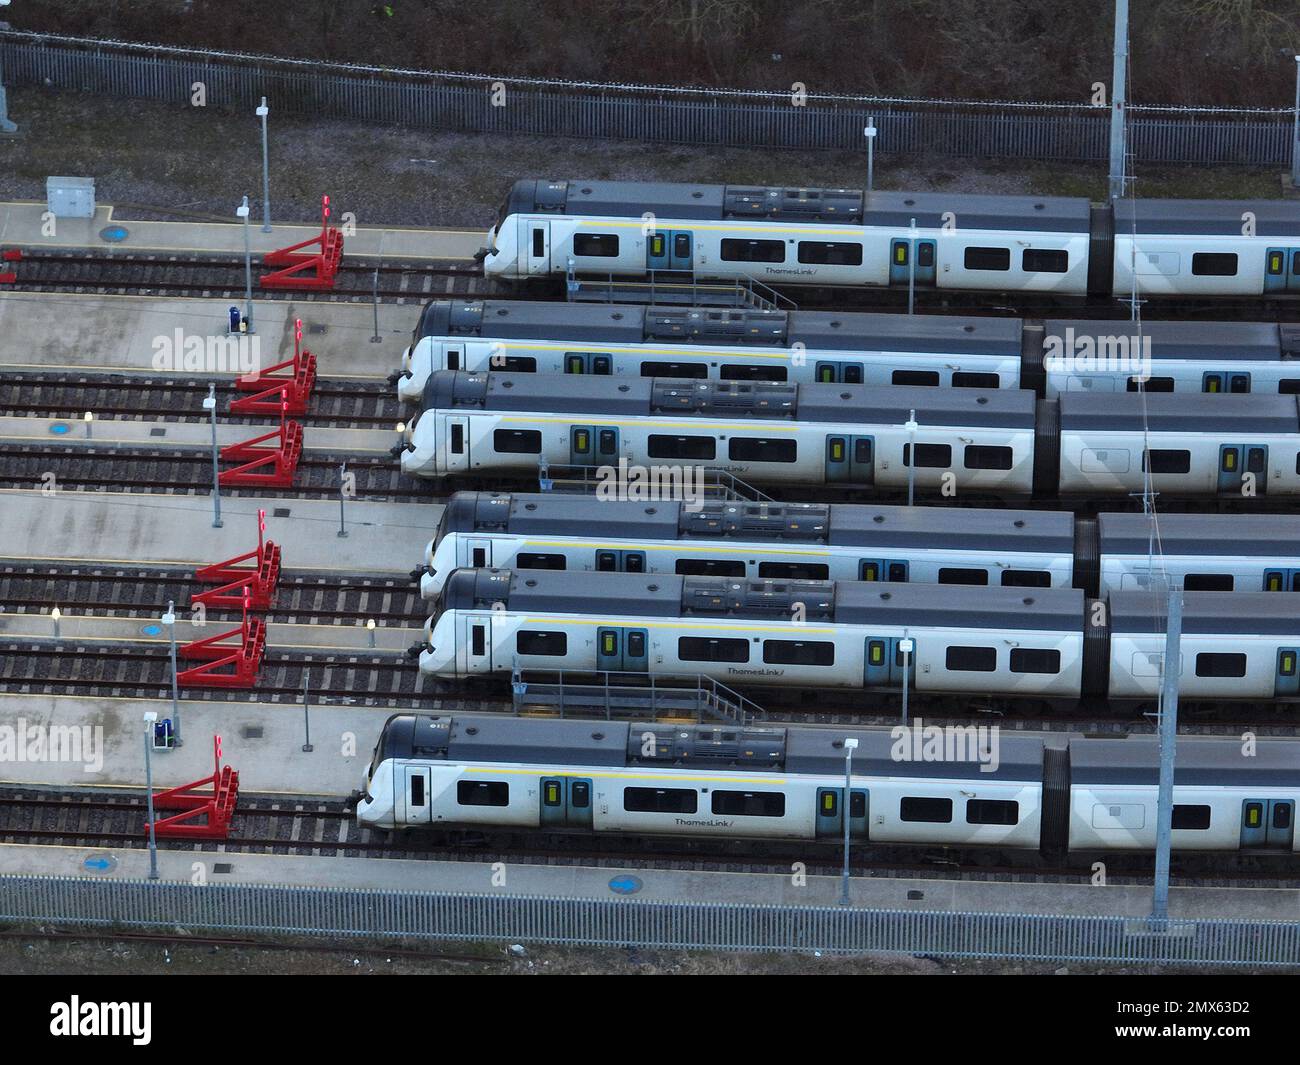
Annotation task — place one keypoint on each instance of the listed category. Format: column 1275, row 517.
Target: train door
column 848, row 373
column 415, row 792
column 535, row 240
column 1241, row 465
column 474, row 648
column 830, row 809
column 456, row 435
column 478, row 553
column 1287, row 681
column 900, row 269
column 593, row 362
column 1282, row 270
column 1216, row 381
column 1267, row 824
column 670, row 250
column 609, row 561
column 882, row 569
column 591, row 445
column 850, row 460
column 1282, row 580
column 622, row 650
column 566, row 801
column 884, row 663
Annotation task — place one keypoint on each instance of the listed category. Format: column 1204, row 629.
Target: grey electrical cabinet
column 70, row 197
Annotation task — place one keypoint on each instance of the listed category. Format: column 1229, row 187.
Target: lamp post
column 869, row 131
column 210, row 405
column 55, row 614
column 905, row 645
column 150, row 719
column 911, row 267
column 1295, row 129
column 89, row 419
column 911, row 427
column 370, row 630
column 242, row 212
column 262, row 112
column 850, row 745
column 169, row 620
column 5, row 125
column 343, row 481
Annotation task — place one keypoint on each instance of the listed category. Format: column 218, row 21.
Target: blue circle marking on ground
column 59, row 428
column 100, row 863
column 625, row 884
column 152, row 630
column 114, row 234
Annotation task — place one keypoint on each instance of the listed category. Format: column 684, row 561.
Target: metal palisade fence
column 491, row 918
column 480, row 103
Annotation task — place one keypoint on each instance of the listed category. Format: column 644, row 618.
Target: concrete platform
column 383, row 538
column 21, row 225
column 135, row 334
column 656, row 885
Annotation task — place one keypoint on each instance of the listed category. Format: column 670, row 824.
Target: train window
column 915, row 808
column 1026, row 578
column 1281, row 815
column 1189, row 817
column 938, row 456
column 674, row 369
column 661, row 800
column 539, row 242
column 540, row 560
column 457, row 438
column 972, row 379
column 734, row 372
column 988, row 258
column 478, row 639
column 517, row 441
column 819, row 252
column 992, row 812
column 607, row 442
column 1044, row 261
column 987, row 457
column 972, row 659
column 1295, row 263
column 753, row 450
column 799, row 652
column 1151, row 384
column 551, row 793
column 1208, row 582
column 1220, row 664
column 925, row 253
column 710, row 567
column 681, row 447
column 1167, row 460
column 635, row 645
column 795, row 571
column 606, row 562
column 704, row 649
column 862, row 450
column 453, row 360
column 753, row 251
column 1035, row 660
column 522, row 363
column 1276, row 262
column 1214, row 264
column 1289, row 386
column 482, row 793
column 536, row 642
column 953, row 575
column 1297, row 462
column 749, row 803
column 579, row 794
column 417, row 790
column 915, row 377
column 602, row 245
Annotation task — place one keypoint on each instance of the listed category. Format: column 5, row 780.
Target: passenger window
column 1214, row 264
column 417, row 790
column 935, row 456
column 972, row 659
column 953, row 575
column 935, row 811
column 987, row 457
column 1035, row 660
column 988, row 258
column 1216, row 664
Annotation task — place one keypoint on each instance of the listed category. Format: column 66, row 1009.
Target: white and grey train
column 1052, row 645
column 1065, row 794
column 997, row 443
column 1059, row 246
column 843, row 541
column 729, row 344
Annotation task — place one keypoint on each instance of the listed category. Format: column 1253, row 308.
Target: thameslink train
column 1043, row 644
column 819, row 541
column 1062, row 246
column 730, row 344
column 1055, row 794
column 997, row 443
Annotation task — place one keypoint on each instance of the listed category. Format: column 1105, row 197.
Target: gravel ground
column 177, row 159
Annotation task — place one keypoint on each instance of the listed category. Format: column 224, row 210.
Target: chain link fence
column 481, row 104
column 428, row 916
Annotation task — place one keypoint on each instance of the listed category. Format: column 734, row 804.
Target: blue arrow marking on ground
column 99, row 863
column 625, row 885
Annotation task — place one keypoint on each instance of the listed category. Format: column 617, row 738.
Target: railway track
column 326, row 828
column 359, row 404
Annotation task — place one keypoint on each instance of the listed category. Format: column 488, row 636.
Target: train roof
column 839, row 524
column 623, row 397
column 633, row 324
column 1171, row 412
column 1201, row 534
column 1207, row 217
column 1214, row 613
column 820, row 751
column 1198, row 760
column 627, row 595
column 895, row 210
column 1209, row 341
